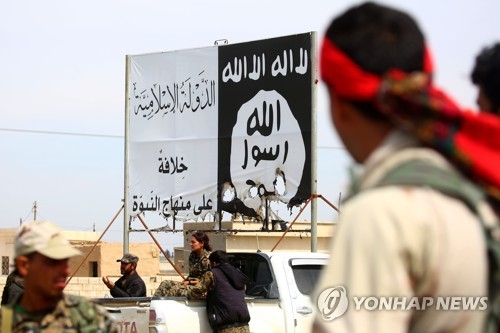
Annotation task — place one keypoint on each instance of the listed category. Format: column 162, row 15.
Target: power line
column 331, row 147
column 104, row 135
column 60, row 133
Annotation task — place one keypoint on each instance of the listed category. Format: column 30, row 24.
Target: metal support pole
column 126, row 217
column 314, row 148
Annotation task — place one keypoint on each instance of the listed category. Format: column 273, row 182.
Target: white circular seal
column 333, row 302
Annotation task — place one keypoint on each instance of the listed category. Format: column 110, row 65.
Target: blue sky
column 62, row 66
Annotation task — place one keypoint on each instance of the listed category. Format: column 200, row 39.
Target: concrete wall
column 7, row 236
column 95, row 288
column 105, row 255
column 245, row 237
column 7, row 250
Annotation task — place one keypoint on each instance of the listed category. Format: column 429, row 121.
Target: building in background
column 243, row 238
column 102, row 260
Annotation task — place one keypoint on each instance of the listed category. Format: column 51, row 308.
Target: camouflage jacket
column 198, row 264
column 174, row 288
column 206, row 283
column 71, row 314
column 198, row 267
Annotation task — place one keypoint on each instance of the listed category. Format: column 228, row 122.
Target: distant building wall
column 246, row 237
column 95, row 288
column 7, row 243
column 105, row 255
column 102, row 260
column 7, row 250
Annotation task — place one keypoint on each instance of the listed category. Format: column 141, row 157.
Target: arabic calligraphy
column 270, row 136
column 266, row 154
column 281, row 66
column 171, row 166
column 265, row 128
column 238, row 69
column 261, row 189
column 161, row 99
column 169, row 206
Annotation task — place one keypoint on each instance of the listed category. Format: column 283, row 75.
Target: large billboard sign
column 220, row 128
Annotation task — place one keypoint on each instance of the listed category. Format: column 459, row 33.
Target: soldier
column 41, row 257
column 399, row 237
column 224, row 287
column 130, row 284
column 198, row 265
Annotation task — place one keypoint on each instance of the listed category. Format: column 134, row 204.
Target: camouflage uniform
column 71, row 314
column 198, row 265
column 239, row 329
column 174, row 288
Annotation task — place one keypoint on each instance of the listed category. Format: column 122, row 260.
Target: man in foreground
column 130, row 284
column 41, row 257
column 393, row 240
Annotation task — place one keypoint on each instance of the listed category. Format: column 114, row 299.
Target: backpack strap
column 7, row 316
column 424, row 173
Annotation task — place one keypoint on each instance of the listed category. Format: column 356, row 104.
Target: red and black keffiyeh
column 470, row 140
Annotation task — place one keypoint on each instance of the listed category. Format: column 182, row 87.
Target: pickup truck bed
column 277, row 296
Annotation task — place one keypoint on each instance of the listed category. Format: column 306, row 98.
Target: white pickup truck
column 277, row 297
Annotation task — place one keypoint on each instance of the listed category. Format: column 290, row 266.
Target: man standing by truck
column 130, row 284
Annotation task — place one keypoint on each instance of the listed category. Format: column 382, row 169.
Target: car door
column 302, row 276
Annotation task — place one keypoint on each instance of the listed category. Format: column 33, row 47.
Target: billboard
column 221, row 128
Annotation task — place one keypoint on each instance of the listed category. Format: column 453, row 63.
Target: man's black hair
column 486, row 74
column 378, row 39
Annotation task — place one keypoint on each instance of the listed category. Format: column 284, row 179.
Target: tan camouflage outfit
column 71, row 314
column 198, row 265
column 239, row 329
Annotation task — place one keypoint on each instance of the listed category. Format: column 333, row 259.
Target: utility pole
column 34, row 211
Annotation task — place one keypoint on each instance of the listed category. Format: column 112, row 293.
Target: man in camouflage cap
column 41, row 257
column 130, row 284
